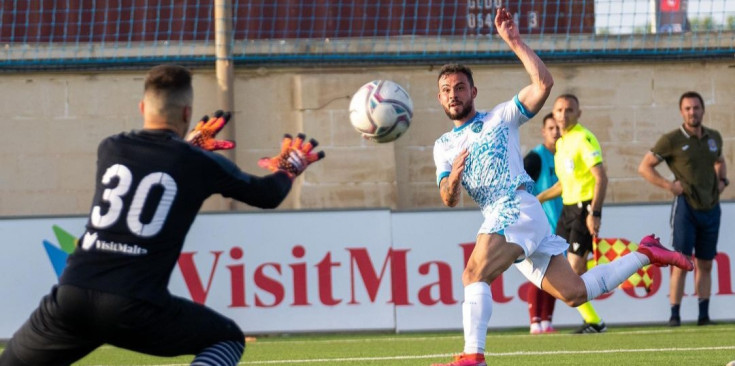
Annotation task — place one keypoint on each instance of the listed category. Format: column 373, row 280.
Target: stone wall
column 52, row 123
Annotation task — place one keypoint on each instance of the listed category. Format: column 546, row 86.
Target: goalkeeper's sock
column 476, row 311
column 606, row 277
column 227, row 353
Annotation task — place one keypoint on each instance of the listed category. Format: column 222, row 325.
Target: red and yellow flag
column 605, row 250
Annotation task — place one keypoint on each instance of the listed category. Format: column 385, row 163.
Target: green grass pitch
column 628, row 346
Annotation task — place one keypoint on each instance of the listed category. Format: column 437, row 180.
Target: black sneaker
column 705, row 321
column 591, row 328
column 674, row 321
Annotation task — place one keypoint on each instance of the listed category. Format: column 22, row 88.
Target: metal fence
column 85, row 33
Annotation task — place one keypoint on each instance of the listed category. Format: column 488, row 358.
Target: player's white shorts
column 533, row 233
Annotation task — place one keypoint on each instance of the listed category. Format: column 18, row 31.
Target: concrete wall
column 52, row 123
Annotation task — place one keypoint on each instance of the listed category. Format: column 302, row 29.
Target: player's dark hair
column 547, row 116
column 569, row 96
column 454, row 69
column 168, row 78
column 691, row 94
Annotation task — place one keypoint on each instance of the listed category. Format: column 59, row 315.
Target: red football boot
column 466, row 359
column 651, row 247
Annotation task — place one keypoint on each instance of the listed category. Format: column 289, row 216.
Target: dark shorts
column 695, row 231
column 71, row 322
column 572, row 226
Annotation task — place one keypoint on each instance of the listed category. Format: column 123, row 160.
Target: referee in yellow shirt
column 582, row 185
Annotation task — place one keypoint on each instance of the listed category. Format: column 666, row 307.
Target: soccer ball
column 381, row 110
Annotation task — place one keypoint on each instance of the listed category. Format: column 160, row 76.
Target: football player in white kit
column 482, row 153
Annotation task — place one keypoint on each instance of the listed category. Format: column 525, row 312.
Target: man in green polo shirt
column 694, row 154
column 582, row 185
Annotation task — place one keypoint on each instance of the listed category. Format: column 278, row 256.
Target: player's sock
column 547, row 305
column 588, row 313
column 703, row 308
column 606, row 277
column 675, row 310
column 476, row 311
column 534, row 304
column 227, row 353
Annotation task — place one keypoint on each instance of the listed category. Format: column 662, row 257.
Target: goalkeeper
column 150, row 184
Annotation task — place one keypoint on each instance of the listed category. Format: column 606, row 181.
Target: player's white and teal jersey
column 494, row 167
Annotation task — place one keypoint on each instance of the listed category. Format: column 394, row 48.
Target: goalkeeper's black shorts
column 71, row 322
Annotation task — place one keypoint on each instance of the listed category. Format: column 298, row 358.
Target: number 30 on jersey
column 114, row 196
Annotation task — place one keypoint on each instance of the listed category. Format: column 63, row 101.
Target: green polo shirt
column 692, row 160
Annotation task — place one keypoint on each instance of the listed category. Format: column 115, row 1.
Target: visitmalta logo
column 57, row 254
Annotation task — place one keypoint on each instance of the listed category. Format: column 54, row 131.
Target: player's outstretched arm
column 532, row 96
column 295, row 156
column 203, row 134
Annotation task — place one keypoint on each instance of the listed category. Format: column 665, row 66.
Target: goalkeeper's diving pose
column 150, row 184
column 482, row 153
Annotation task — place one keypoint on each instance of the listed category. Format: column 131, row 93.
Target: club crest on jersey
column 476, row 126
column 712, row 145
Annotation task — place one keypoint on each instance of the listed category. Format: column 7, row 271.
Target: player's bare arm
column 534, row 95
column 721, row 171
column 550, row 193
column 449, row 187
column 598, row 198
column 647, row 170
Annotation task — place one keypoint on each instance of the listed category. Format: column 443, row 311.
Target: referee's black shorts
column 572, row 226
column 71, row 322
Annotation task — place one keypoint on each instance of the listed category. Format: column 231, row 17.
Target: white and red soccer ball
column 381, row 110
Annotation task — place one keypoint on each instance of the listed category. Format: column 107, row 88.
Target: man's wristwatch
column 593, row 212
column 726, row 181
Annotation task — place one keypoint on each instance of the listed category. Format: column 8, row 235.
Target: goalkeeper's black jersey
column 150, row 184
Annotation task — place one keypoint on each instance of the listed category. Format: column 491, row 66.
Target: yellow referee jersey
column 577, row 151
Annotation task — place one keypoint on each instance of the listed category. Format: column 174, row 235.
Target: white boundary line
column 489, row 355
column 280, row 341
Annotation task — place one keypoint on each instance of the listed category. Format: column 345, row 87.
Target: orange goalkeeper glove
column 295, row 156
column 206, row 129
